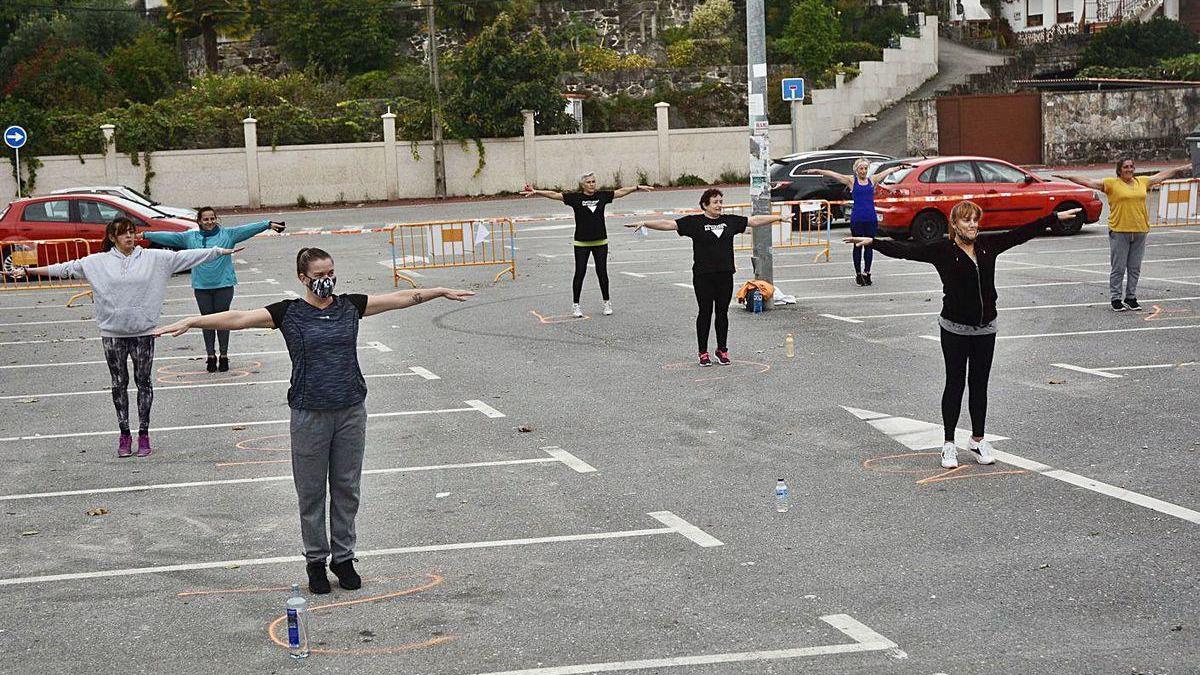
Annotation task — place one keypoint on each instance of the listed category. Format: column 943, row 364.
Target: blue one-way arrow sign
column 15, row 137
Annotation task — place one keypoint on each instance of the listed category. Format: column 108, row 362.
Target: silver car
column 126, row 192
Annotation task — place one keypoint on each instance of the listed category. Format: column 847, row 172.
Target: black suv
column 797, row 185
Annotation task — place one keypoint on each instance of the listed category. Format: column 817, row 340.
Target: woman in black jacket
column 966, row 262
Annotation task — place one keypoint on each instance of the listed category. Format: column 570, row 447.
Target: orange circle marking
column 171, row 374
column 936, row 474
column 565, row 318
column 247, row 443
column 739, row 368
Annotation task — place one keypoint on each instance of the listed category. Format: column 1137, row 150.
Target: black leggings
column 600, row 253
column 211, row 301
column 117, row 352
column 959, row 351
column 714, row 290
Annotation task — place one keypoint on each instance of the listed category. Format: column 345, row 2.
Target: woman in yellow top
column 1128, row 225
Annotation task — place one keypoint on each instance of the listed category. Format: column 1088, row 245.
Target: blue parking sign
column 793, row 88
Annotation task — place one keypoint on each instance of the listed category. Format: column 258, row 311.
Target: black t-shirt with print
column 712, row 240
column 323, row 344
column 589, row 213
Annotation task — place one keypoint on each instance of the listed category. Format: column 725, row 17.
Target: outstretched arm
column 187, row 259
column 1168, row 174
column 69, row 269
column 548, row 194
column 663, row 225
column 1080, row 180
column 759, row 221
column 234, row 319
column 402, row 299
column 897, row 249
column 842, row 178
column 243, row 232
column 621, row 192
column 878, row 177
column 1002, row 241
column 170, row 239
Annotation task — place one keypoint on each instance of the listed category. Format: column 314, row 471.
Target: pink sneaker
column 144, row 445
column 125, row 446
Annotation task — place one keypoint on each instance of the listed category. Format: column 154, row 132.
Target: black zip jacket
column 968, row 288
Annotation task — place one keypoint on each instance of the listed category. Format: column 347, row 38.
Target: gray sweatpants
column 1125, row 251
column 327, row 448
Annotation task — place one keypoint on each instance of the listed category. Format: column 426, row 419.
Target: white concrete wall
column 357, row 171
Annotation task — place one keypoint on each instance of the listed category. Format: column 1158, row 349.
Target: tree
column 498, row 74
column 472, row 17
column 1133, row 44
column 102, row 27
column 337, row 36
column 711, row 19
column 207, row 19
column 811, row 36
column 148, row 68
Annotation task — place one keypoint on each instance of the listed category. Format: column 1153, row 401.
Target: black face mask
column 323, row 287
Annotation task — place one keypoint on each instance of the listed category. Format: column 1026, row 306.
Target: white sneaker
column 982, row 450
column 607, row 307
column 576, row 311
column 949, row 455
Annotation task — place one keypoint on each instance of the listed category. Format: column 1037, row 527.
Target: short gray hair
column 863, row 161
column 584, row 176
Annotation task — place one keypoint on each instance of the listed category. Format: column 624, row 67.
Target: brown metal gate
column 1006, row 126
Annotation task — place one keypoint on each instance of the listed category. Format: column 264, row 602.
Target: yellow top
column 1127, row 204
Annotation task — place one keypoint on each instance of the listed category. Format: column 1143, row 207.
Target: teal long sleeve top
column 217, row 273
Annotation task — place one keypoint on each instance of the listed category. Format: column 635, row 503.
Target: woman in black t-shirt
column 591, row 237
column 712, row 234
column 328, row 423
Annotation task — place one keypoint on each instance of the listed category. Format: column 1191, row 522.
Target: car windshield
column 141, row 197
column 140, row 209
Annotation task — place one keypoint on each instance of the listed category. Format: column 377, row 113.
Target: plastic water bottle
column 790, row 345
column 297, row 624
column 782, row 496
column 757, row 297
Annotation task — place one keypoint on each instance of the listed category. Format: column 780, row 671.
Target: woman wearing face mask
column 1128, row 225
column 966, row 262
column 128, row 286
column 591, row 237
column 329, row 420
column 213, row 281
column 863, row 220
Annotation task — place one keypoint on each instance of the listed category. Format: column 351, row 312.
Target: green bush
column 811, row 36
column 410, row 80
column 855, row 52
column 711, row 19
column 337, row 36
column 1133, row 44
column 593, row 59
column 636, row 62
column 689, row 180
column 1182, row 68
column 682, row 54
column 147, row 69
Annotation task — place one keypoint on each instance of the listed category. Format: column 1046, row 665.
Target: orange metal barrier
column 805, row 223
column 38, row 254
column 1177, row 204
column 452, row 243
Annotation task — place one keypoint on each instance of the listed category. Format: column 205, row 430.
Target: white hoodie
column 129, row 289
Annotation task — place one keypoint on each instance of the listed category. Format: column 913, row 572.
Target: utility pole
column 439, row 154
column 760, row 139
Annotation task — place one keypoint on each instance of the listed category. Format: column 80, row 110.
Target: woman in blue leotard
column 863, row 221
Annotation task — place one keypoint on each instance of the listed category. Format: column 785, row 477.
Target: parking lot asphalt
column 544, row 492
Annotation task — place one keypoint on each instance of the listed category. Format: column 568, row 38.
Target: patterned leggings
column 117, row 351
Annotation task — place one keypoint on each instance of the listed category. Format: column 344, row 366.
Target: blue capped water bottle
column 756, row 297
column 297, row 624
column 782, row 496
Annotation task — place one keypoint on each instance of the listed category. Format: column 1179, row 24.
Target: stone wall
column 1149, row 124
column 921, row 123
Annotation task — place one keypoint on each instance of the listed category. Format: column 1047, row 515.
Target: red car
column 1020, row 197
column 75, row 216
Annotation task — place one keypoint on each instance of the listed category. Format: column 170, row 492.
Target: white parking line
column 1088, row 250
column 1076, row 332
column 929, row 291
column 865, row 640
column 377, row 346
column 847, row 319
column 418, row 370
column 207, row 385
column 431, row 548
column 556, row 455
column 60, row 305
column 1083, row 268
column 1008, row 309
column 1107, row 372
column 475, row 406
column 91, row 319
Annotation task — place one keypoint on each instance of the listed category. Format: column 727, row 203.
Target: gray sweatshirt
column 129, row 289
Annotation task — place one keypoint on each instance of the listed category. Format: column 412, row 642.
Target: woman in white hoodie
column 128, row 286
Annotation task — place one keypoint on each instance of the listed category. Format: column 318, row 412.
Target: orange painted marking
column 1161, row 313
column 249, row 442
column 432, row 580
column 938, row 473
column 172, row 375
column 558, row 319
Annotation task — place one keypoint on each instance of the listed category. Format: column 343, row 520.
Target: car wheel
column 1064, row 228
column 928, row 226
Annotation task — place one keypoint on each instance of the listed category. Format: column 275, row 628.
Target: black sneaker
column 1118, row 306
column 347, row 577
column 859, row 280
column 211, row 364
column 867, row 278
column 223, row 363
column 317, row 581
column 1132, row 304
column 704, row 360
column 723, row 357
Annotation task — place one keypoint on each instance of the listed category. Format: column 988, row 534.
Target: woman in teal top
column 213, row 281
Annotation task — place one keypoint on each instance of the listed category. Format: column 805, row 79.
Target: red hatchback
column 1009, row 196
column 66, row 217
